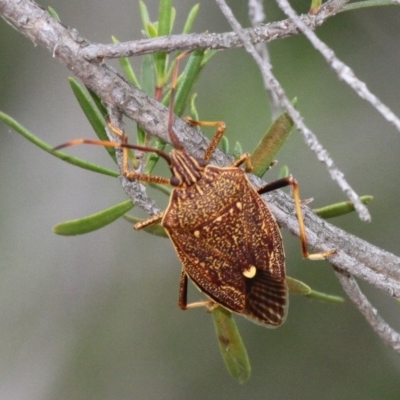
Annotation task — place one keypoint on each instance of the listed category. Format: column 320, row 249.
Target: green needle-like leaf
column 49, row 149
column 237, row 150
column 193, row 110
column 190, row 74
column 144, row 14
column 53, row 13
column 338, row 209
column 297, row 287
column 92, row 113
column 225, row 144
column 231, row 345
column 190, row 19
column 315, row 6
column 329, row 298
column 283, row 172
column 96, row 99
column 164, row 29
column 147, row 75
column 164, row 17
column 93, row 222
column 270, row 144
column 369, row 3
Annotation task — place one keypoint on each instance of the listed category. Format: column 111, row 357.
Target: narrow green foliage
column 92, row 113
column 225, row 144
column 165, row 17
column 328, row 298
column 315, row 6
column 172, row 21
column 144, row 14
column 192, row 107
column 189, row 76
column 283, row 172
column 53, row 13
column 231, row 345
column 368, row 3
column 190, row 19
column 127, row 67
column 96, row 99
column 237, row 150
column 141, row 135
column 147, row 75
column 164, row 29
column 208, row 55
column 338, row 209
column 93, row 222
column 297, row 287
column 152, row 30
column 155, row 229
column 49, row 149
column 271, row 143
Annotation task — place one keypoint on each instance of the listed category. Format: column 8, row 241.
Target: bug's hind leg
column 209, row 304
column 290, row 181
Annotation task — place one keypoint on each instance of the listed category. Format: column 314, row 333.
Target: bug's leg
column 183, row 291
column 126, row 170
column 221, row 128
column 280, row 183
column 183, row 296
column 149, row 221
column 244, row 158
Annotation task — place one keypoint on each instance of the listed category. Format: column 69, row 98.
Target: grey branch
column 387, row 334
column 216, row 41
column 354, row 256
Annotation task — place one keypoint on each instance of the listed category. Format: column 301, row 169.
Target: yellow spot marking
column 219, row 219
column 196, row 234
column 250, row 272
column 239, row 205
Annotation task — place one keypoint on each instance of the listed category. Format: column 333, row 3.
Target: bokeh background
column 96, row 316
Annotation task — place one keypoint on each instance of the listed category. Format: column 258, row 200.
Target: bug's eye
column 175, row 181
column 201, row 162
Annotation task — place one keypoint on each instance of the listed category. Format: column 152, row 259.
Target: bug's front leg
column 155, row 219
column 221, row 128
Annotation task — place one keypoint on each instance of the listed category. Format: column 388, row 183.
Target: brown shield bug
column 224, row 234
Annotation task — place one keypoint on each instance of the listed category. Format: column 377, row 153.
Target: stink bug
column 223, row 232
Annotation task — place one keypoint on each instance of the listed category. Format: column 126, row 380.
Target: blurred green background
column 96, row 316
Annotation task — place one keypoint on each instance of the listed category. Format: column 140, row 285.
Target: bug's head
column 186, row 170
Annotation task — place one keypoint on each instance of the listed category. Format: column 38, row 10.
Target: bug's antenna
column 171, row 115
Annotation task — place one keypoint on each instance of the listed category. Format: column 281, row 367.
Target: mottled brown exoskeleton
column 223, row 232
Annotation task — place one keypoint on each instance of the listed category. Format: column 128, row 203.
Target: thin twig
column 257, row 16
column 385, row 331
column 216, row 41
column 309, row 137
column 343, row 71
